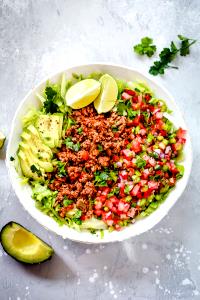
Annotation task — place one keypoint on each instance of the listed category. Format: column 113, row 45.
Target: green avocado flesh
column 23, row 245
column 35, row 153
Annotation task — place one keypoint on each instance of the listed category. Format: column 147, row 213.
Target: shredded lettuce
column 30, row 117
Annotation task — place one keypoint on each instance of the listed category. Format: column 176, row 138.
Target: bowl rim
column 92, row 64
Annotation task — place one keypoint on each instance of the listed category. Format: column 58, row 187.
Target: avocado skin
column 10, row 224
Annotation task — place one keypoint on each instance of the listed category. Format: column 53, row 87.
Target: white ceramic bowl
column 23, row 192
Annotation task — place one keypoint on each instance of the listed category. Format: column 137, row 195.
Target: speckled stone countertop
column 40, row 37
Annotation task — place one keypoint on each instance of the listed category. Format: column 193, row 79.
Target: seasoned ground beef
column 99, row 137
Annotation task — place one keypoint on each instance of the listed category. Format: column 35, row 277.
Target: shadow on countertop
column 54, row 269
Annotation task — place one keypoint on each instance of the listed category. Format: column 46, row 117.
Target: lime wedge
column 82, row 93
column 2, row 140
column 108, row 95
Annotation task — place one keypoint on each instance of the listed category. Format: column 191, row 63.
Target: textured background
column 40, row 37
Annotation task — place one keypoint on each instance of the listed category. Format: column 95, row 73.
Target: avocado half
column 23, row 245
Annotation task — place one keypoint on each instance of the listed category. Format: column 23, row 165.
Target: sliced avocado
column 38, row 152
column 23, row 245
column 31, row 135
column 49, row 127
column 34, row 160
column 26, row 167
column 2, row 139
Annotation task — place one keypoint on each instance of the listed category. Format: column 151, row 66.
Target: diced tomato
column 143, row 131
column 113, row 199
column 105, row 191
column 117, row 227
column 159, row 115
column 147, row 193
column 135, row 190
column 153, row 185
column 98, row 212
column 130, row 92
column 145, row 174
column 152, row 161
column 163, row 132
column 131, row 212
column 115, row 158
column 109, row 222
column 126, row 96
column 181, row 133
column 135, row 146
column 101, row 198
column 136, row 121
column 109, row 204
column 98, row 205
column 147, row 97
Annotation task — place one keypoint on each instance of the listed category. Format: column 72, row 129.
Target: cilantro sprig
column 145, row 47
column 167, row 55
column 49, row 105
column 71, row 145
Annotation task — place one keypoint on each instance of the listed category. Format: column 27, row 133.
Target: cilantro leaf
column 145, row 47
column 61, row 169
column 185, row 45
column 49, row 105
column 167, row 55
column 67, row 202
column 76, row 217
column 69, row 144
column 34, row 169
column 102, row 177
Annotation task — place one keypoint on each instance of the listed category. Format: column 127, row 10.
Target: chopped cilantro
column 100, row 147
column 115, row 191
column 80, row 130
column 69, row 144
column 114, row 129
column 61, row 169
column 12, row 158
column 101, row 178
column 70, row 122
column 146, row 47
column 34, row 169
column 76, row 217
column 67, row 202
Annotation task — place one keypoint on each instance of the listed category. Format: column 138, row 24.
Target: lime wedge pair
column 103, row 93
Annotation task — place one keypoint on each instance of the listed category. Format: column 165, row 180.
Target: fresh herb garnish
column 69, row 144
column 115, row 191
column 76, row 217
column 49, row 105
column 12, row 158
column 185, row 45
column 34, row 169
column 61, row 169
column 100, row 147
column 80, row 130
column 145, row 47
column 167, row 55
column 101, row 178
column 70, row 122
column 67, row 202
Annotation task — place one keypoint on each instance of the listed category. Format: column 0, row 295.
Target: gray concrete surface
column 40, row 37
